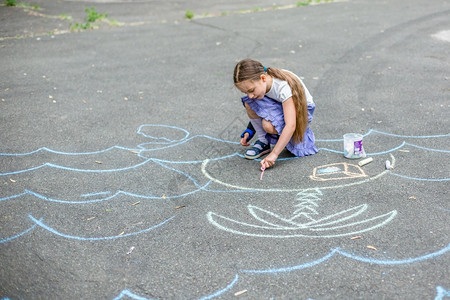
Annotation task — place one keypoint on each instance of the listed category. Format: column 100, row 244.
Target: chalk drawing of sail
column 337, row 171
column 269, row 224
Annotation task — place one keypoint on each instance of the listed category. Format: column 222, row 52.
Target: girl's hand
column 244, row 139
column 269, row 161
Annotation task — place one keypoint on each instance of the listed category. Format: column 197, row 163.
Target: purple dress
column 272, row 111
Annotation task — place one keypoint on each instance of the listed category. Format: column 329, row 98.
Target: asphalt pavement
column 123, row 178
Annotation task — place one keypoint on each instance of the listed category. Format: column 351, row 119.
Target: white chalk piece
column 365, row 161
column 388, row 164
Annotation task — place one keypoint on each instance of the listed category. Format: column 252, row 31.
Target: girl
column 279, row 107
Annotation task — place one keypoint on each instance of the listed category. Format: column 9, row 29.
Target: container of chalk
column 353, row 146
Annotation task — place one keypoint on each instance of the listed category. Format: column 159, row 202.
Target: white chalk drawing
column 339, row 224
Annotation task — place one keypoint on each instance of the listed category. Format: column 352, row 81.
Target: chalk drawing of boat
column 337, row 171
column 272, row 225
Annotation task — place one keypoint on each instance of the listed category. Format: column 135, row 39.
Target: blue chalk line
column 370, row 131
column 130, row 295
column 420, row 179
column 2, row 241
column 214, row 295
column 177, row 142
column 48, row 228
column 441, row 293
column 354, row 257
column 147, row 159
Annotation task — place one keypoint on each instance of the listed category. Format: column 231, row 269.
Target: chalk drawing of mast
column 305, row 222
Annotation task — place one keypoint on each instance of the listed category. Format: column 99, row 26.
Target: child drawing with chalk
column 280, row 109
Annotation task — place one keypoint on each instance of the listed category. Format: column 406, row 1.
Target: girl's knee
column 268, row 127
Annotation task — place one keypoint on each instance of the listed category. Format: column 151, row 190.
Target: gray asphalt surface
column 122, row 176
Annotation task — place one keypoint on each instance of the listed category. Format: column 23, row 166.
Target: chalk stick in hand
column 263, row 167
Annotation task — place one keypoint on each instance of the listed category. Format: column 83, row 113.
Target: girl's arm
column 286, row 134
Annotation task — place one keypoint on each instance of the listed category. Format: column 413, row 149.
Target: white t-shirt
column 281, row 91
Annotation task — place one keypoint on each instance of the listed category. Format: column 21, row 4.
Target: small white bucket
column 353, row 145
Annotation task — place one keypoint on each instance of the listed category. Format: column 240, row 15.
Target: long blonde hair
column 249, row 69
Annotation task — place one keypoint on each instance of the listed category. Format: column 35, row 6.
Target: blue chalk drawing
column 370, row 131
column 164, row 139
column 354, row 257
column 48, row 228
column 131, row 295
column 214, row 295
column 50, row 165
column 4, row 240
column 41, row 197
column 329, row 170
column 95, row 194
column 420, row 179
column 45, row 149
column 441, row 293
column 268, row 224
column 176, row 142
column 443, row 209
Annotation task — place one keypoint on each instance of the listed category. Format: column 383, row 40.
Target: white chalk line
column 207, row 175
